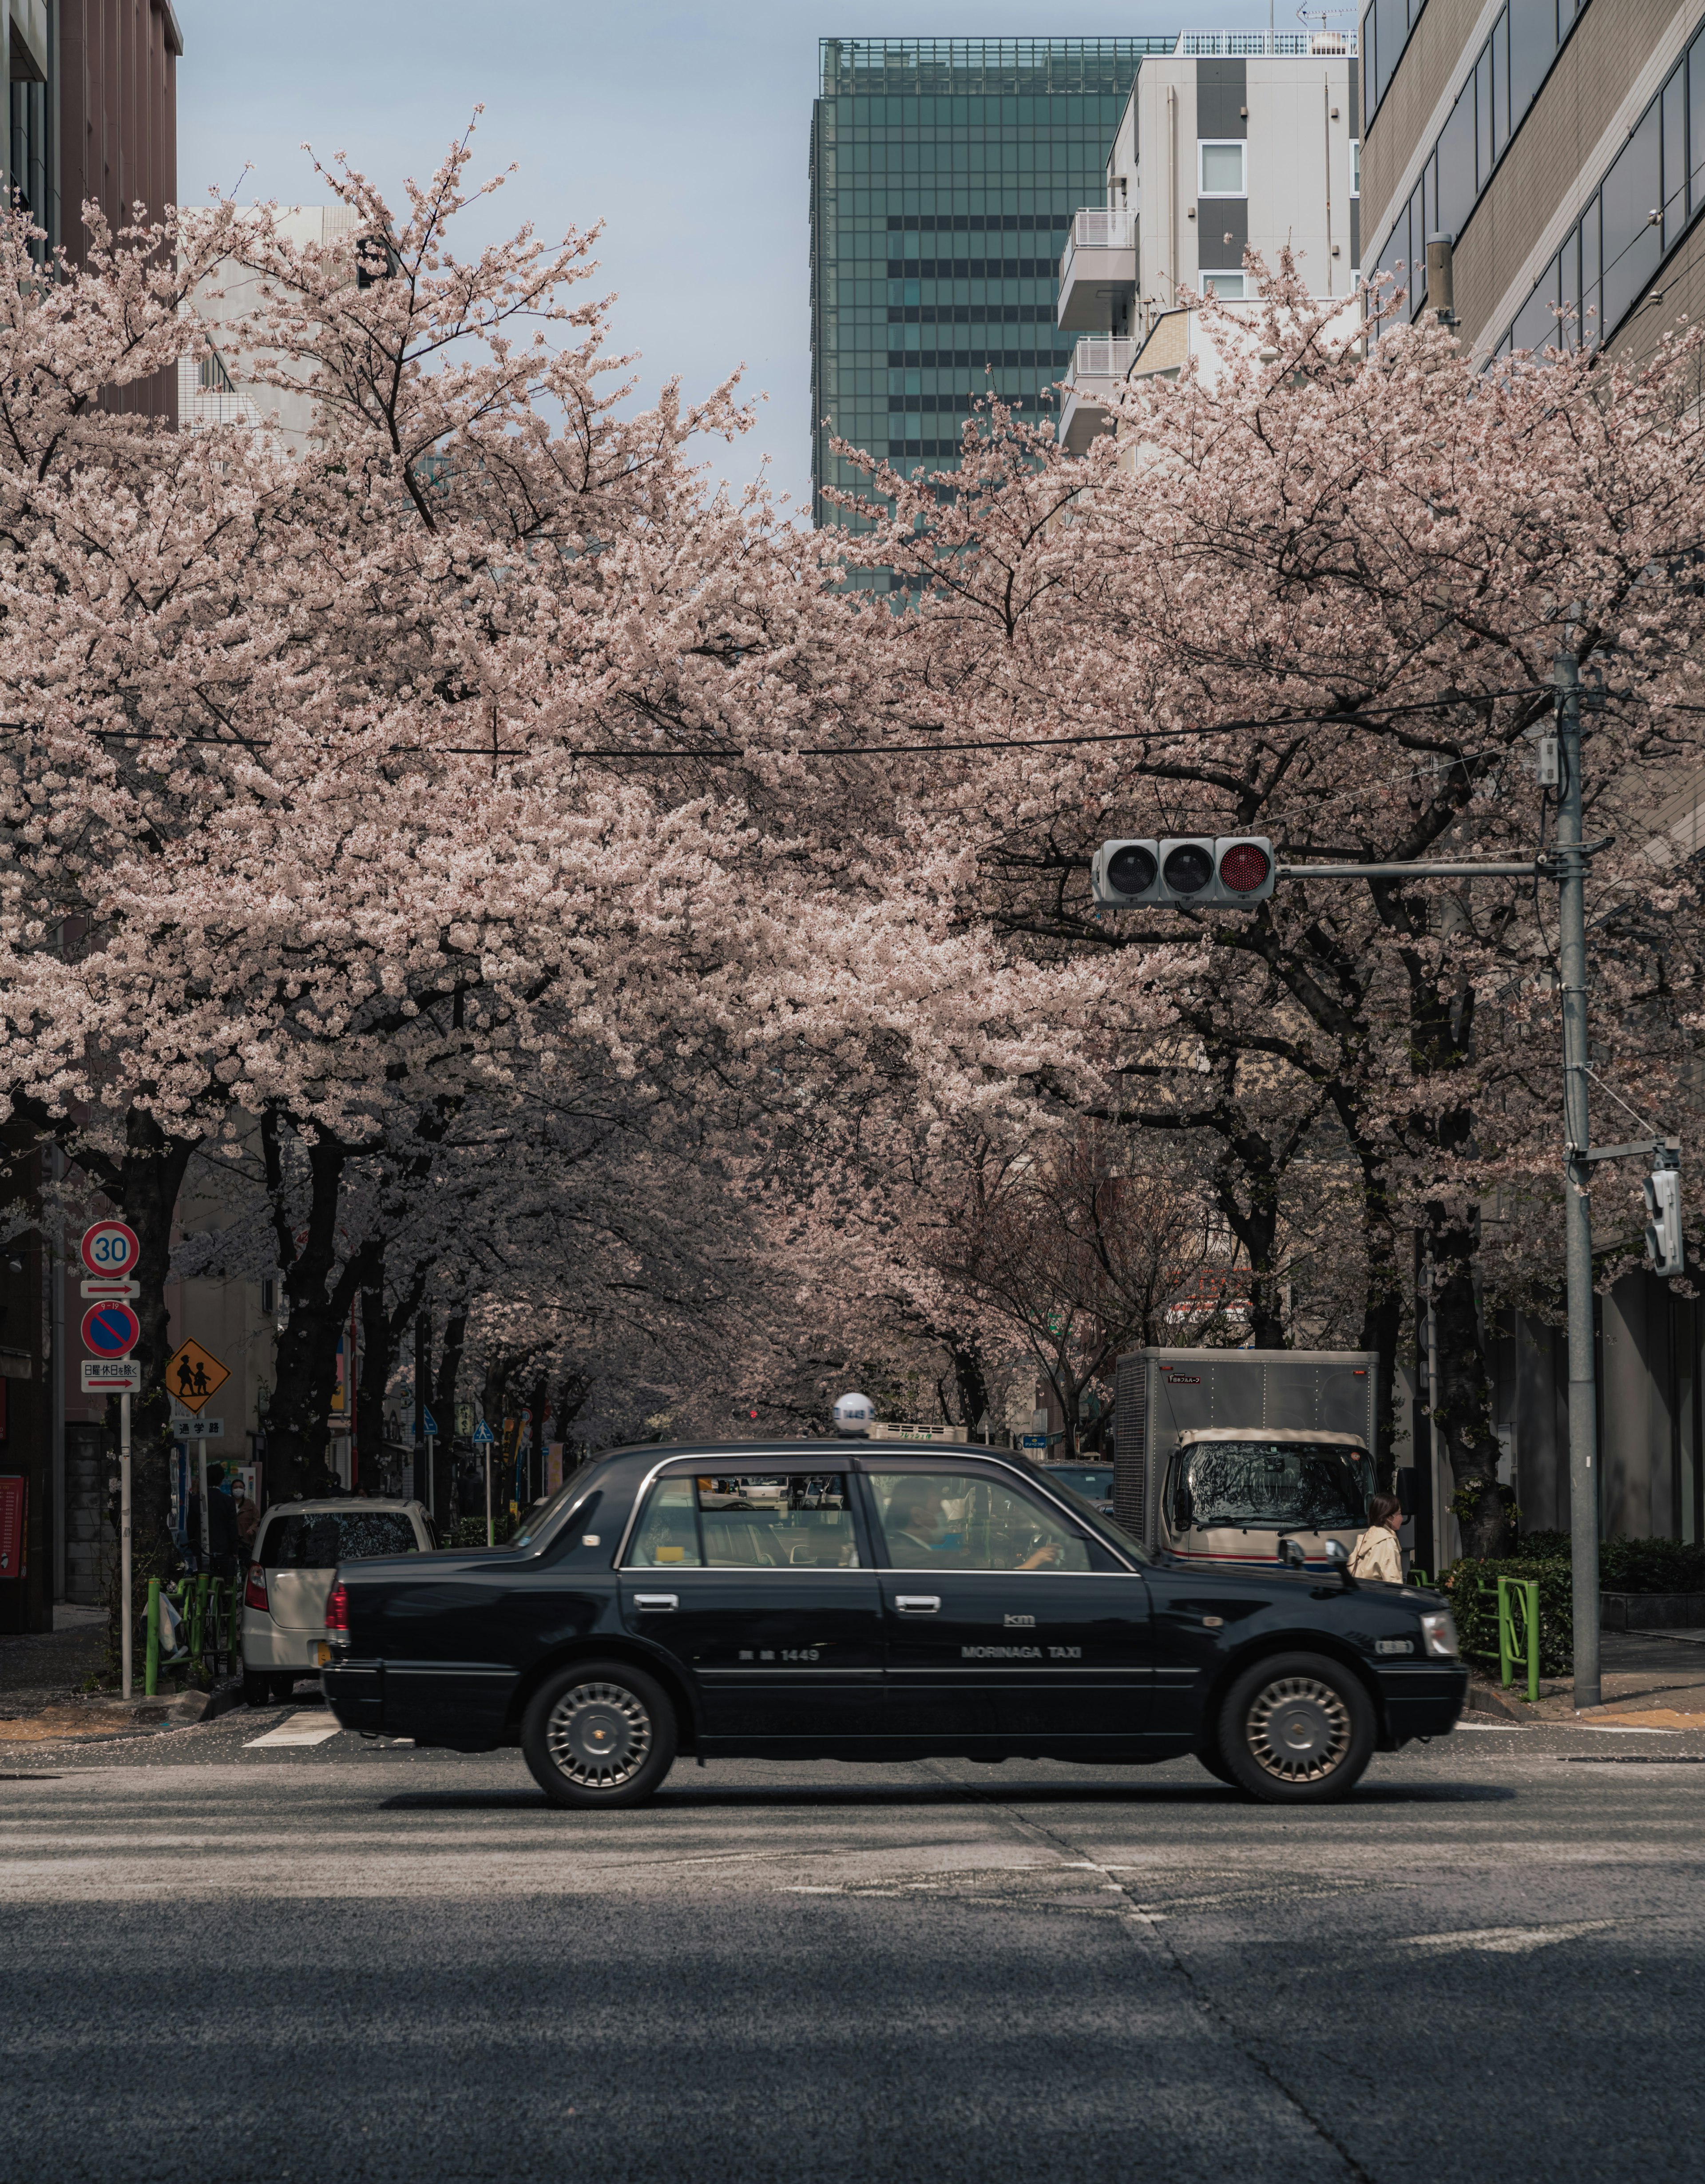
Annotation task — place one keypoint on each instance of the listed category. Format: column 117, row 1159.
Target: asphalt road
column 346, row 1962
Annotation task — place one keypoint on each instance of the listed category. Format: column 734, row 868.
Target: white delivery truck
column 1219, row 1454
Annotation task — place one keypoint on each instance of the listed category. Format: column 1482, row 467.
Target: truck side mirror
column 1338, row 1556
column 1291, row 1553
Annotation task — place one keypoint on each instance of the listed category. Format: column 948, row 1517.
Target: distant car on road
column 895, row 1600
column 296, row 1554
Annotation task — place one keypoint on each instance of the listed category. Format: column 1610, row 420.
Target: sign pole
column 206, row 1528
column 125, row 1645
column 491, row 1534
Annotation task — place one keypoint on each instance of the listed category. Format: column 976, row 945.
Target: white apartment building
column 1238, row 140
column 211, row 390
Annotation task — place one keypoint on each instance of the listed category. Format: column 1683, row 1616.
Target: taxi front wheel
column 599, row 1733
column 1297, row 1729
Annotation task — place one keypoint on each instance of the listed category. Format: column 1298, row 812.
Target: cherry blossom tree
column 1318, row 595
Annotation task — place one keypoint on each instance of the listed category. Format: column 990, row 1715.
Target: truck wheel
column 599, row 1733
column 1297, row 1729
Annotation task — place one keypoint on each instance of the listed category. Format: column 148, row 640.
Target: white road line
column 1507, row 1941
column 299, row 1729
column 1495, row 1728
column 1619, row 1729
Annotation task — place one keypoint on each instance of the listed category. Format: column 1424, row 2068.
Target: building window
column 211, row 376
column 1221, row 168
column 1227, row 287
column 1355, row 166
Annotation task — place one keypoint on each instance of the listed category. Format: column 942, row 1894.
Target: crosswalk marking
column 298, row 1729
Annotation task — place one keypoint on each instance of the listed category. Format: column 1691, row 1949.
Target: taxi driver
column 917, row 1523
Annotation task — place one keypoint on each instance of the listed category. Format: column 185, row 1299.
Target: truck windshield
column 1262, row 1484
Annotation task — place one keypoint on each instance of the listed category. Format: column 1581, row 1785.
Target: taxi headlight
column 1438, row 1635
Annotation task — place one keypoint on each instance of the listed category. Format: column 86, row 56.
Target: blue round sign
column 111, row 1329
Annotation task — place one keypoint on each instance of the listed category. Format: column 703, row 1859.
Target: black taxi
column 857, row 1600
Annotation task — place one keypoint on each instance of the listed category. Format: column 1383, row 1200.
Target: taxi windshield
column 1259, row 1485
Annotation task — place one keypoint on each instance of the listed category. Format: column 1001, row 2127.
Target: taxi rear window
column 747, row 1520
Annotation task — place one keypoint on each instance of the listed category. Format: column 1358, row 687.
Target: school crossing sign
column 194, row 1375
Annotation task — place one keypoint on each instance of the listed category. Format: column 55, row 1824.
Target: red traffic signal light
column 1204, row 872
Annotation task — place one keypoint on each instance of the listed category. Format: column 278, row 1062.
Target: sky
column 684, row 128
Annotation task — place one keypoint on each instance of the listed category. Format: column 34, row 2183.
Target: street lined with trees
column 527, row 888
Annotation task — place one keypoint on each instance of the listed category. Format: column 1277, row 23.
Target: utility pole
column 1577, row 1197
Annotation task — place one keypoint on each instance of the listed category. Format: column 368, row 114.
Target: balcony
column 1099, row 263
column 1098, row 369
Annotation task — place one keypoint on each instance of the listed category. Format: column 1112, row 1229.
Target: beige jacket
column 1377, row 1555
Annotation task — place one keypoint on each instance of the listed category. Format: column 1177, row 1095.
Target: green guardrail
column 211, row 1610
column 1518, row 1631
column 1518, row 1603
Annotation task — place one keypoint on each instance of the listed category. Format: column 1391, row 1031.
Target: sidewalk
column 42, row 1699
column 1647, row 1679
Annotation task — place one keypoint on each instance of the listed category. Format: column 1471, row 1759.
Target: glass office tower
column 945, row 172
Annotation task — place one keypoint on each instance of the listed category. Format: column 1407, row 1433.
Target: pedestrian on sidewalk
column 1377, row 1554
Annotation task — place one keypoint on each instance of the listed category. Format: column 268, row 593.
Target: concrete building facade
column 1235, row 141
column 1562, row 142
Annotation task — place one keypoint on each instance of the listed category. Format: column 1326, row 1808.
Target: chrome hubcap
column 598, row 1736
column 1298, row 1728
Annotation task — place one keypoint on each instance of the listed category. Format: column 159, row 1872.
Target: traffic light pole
column 1568, row 868
column 1577, row 1197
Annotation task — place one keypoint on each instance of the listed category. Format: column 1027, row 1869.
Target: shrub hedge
column 1472, row 1588
column 1626, row 1565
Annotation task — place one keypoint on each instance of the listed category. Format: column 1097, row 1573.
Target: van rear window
column 320, row 1540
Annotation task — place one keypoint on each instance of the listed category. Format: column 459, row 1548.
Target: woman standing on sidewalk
column 1377, row 1554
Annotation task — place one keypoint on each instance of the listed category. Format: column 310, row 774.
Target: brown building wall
column 1435, row 61
column 118, row 131
column 1537, row 177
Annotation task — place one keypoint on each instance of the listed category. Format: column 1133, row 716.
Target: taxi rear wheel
column 599, row 1733
column 1297, row 1729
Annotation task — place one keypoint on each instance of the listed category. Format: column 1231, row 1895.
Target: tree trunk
column 1462, row 1404
column 298, row 1425
column 378, row 1362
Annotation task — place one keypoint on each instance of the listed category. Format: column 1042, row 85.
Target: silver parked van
column 297, row 1551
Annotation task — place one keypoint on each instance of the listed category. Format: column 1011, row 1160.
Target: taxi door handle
column 657, row 1603
column 917, row 1603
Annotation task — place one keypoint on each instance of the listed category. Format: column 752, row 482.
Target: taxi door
column 760, row 1585
column 1004, row 1617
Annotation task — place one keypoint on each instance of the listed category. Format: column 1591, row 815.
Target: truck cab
column 1231, row 1493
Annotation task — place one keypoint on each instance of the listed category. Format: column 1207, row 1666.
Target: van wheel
column 1297, row 1729
column 599, row 1733
column 257, row 1689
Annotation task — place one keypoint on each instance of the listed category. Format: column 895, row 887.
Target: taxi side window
column 748, row 1521
column 958, row 1520
column 668, row 1533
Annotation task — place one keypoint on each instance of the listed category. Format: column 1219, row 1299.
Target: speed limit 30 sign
column 111, row 1248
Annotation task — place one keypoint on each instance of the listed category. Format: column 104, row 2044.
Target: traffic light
column 1663, row 1229
column 1208, row 871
